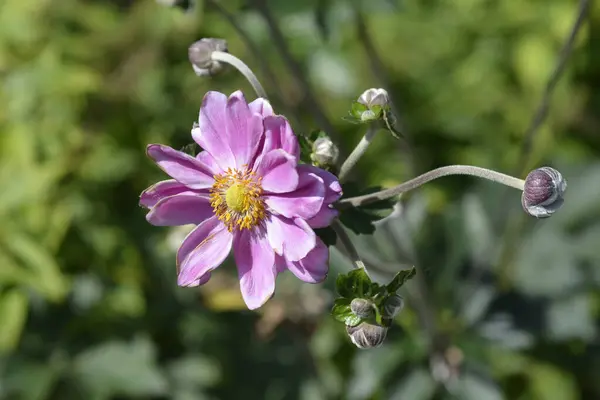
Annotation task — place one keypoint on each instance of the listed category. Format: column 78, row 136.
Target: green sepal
column 400, row 279
column 342, row 312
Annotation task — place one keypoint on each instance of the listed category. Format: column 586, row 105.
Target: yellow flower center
column 236, row 198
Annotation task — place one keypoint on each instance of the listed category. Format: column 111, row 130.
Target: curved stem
column 357, row 153
column 431, row 175
column 243, row 68
column 345, row 239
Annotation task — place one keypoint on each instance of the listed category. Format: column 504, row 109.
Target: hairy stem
column 431, row 175
column 243, row 68
column 357, row 153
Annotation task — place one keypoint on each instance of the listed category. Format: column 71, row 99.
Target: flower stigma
column 236, row 198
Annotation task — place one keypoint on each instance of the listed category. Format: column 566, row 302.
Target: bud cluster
column 367, row 308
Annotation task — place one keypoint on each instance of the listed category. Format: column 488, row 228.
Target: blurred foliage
column 89, row 307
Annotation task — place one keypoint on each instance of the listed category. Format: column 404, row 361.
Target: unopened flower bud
column 325, row 152
column 371, row 105
column 392, row 306
column 362, row 308
column 367, row 336
column 374, row 97
column 200, row 53
column 543, row 192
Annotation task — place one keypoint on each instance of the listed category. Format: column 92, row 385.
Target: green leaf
column 400, row 279
column 327, row 235
column 341, row 309
column 13, row 314
column 342, row 312
column 354, row 284
column 44, row 273
column 118, row 368
column 360, row 219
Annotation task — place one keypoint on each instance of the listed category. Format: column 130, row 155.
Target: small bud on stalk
column 392, row 306
column 324, row 152
column 362, row 308
column 543, row 192
column 200, row 55
column 371, row 105
column 367, row 336
column 374, row 97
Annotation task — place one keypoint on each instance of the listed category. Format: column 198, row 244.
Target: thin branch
column 542, row 110
column 431, row 175
column 296, row 69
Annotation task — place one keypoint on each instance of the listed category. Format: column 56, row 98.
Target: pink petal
column 203, row 250
column 244, row 130
column 291, row 238
column 305, row 202
column 211, row 132
column 256, row 268
column 200, row 281
column 261, row 106
column 279, row 135
column 333, row 189
column 210, row 162
column 181, row 166
column 160, row 190
column 312, row 268
column 181, row 209
column 323, row 218
column 278, row 171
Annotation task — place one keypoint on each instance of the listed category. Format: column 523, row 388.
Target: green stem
column 431, row 175
column 357, row 153
column 242, row 68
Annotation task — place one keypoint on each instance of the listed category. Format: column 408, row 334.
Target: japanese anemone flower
column 246, row 190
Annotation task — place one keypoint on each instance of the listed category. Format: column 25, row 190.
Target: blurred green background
column 503, row 306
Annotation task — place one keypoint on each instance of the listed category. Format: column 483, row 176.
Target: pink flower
column 245, row 191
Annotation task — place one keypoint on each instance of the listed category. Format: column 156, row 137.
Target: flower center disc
column 236, row 198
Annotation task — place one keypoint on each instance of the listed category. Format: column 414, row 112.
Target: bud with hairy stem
column 543, row 192
column 324, row 152
column 200, row 55
column 366, row 335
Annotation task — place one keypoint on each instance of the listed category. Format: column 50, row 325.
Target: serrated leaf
column 361, row 219
column 354, row 284
column 400, row 279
